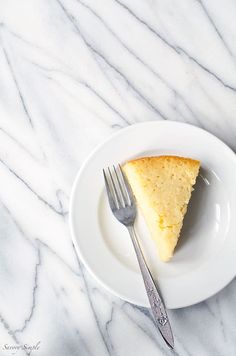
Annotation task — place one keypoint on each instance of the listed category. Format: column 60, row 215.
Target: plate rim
column 72, row 197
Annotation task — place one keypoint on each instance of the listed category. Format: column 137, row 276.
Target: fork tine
column 128, row 189
column 111, row 198
column 114, row 188
column 122, row 194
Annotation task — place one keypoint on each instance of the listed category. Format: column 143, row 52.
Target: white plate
column 205, row 258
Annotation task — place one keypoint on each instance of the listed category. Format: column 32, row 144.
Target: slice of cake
column 162, row 186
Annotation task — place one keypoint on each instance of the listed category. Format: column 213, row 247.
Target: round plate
column 205, row 257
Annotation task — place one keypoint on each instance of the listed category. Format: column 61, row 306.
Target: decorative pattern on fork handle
column 156, row 303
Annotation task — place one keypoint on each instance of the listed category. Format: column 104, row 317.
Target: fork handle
column 156, row 303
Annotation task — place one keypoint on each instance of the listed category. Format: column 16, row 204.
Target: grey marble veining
column 71, row 73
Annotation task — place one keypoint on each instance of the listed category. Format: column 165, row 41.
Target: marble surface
column 71, row 73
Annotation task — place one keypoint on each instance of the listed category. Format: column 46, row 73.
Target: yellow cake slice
column 162, row 186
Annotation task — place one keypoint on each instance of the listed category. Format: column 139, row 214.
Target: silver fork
column 123, row 206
